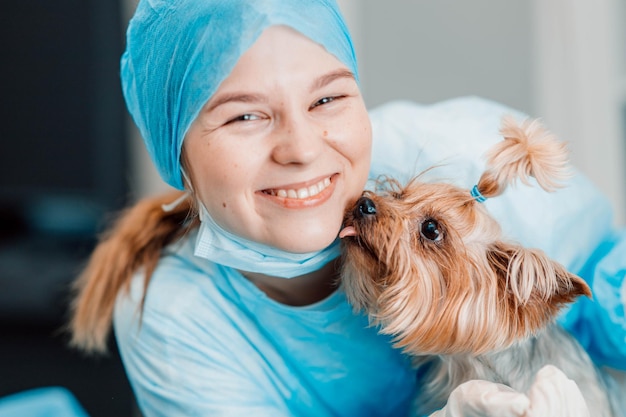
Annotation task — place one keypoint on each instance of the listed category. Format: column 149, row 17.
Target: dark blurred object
column 36, row 356
column 63, row 144
column 63, row 169
column 63, row 148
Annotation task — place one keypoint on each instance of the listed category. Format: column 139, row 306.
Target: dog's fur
column 431, row 268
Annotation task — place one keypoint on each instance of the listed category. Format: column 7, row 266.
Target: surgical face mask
column 224, row 248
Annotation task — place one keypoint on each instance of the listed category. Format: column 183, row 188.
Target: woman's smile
column 302, row 195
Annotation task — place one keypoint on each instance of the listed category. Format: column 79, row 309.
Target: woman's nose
column 298, row 141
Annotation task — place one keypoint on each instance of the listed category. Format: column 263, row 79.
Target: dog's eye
column 429, row 229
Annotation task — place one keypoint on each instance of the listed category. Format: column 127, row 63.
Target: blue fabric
column 179, row 51
column 211, row 343
column 603, row 330
column 42, row 402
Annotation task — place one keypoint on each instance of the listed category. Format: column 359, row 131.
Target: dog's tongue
column 347, row 231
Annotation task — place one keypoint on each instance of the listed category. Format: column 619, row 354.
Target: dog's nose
column 365, row 207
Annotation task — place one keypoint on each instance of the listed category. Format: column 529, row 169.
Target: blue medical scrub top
column 211, row 343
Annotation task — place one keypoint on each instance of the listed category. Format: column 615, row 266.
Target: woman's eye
column 323, row 101
column 429, row 229
column 244, row 118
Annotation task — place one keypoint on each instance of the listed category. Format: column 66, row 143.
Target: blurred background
column 64, row 166
column 70, row 158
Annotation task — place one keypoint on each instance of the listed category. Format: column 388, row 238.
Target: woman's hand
column 552, row 394
column 478, row 398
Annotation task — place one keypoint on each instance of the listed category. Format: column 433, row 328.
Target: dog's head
column 428, row 264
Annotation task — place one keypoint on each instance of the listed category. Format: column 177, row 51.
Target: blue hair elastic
column 477, row 195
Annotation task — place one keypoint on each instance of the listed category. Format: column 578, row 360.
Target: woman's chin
column 307, row 244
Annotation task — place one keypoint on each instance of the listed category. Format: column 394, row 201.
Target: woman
column 254, row 109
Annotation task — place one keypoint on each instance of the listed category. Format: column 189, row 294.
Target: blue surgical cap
column 179, row 51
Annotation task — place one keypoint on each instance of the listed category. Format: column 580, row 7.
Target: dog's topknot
column 528, row 150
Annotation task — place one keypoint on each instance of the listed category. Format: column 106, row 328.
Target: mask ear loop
column 171, row 206
column 187, row 179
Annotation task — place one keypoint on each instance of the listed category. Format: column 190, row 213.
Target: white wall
column 432, row 50
column 578, row 69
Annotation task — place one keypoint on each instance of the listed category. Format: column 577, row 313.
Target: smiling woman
column 225, row 296
column 279, row 145
column 304, row 121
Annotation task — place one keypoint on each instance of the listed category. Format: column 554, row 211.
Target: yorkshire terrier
column 431, row 268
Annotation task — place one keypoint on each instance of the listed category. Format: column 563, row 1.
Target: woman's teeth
column 301, row 193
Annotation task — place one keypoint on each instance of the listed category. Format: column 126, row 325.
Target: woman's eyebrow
column 330, row 77
column 256, row 98
column 234, row 97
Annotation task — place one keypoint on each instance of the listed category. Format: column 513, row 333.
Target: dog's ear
column 532, row 283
